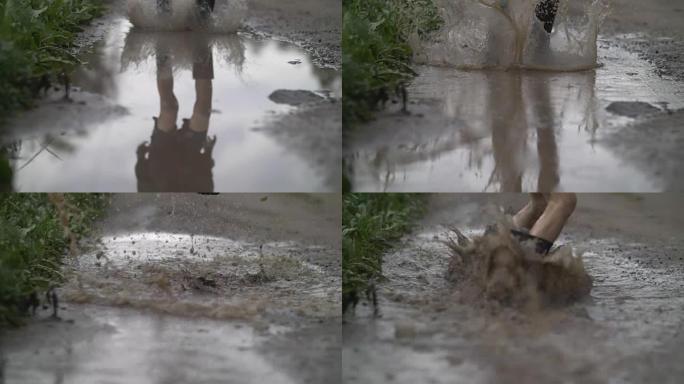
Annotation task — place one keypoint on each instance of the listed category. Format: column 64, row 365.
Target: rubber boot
column 164, row 6
column 546, row 11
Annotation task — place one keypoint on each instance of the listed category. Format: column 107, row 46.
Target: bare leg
column 530, row 213
column 550, row 224
column 199, row 122
column 168, row 105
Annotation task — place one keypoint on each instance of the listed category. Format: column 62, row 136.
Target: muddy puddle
column 627, row 331
column 175, row 308
column 180, row 111
column 114, row 345
column 194, row 275
column 515, row 130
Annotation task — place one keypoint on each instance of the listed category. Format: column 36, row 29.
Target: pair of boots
column 205, row 7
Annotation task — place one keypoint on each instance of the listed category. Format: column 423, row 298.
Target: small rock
column 294, row 98
column 295, row 62
column 632, row 109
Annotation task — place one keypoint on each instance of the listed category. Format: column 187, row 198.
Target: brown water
column 627, row 331
column 491, row 130
column 104, row 140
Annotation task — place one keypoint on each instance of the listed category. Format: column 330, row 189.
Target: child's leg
column 530, row 213
column 168, row 104
column 203, row 73
column 558, row 210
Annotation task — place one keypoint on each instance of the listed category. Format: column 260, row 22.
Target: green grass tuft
column 376, row 55
column 33, row 242
column 36, row 41
column 370, row 224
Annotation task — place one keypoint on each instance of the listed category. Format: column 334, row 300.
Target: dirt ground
column 462, row 133
column 628, row 331
column 189, row 287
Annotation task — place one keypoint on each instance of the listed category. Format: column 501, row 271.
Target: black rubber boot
column 164, row 6
column 546, row 11
column 206, row 7
column 539, row 245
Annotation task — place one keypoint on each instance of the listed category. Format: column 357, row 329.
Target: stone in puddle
column 405, row 330
column 632, row 109
column 294, row 98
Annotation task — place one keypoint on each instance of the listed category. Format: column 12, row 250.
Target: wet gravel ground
column 628, row 331
column 190, row 287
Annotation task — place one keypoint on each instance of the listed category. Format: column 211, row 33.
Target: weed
column 370, row 223
column 36, row 41
column 376, row 53
column 33, row 241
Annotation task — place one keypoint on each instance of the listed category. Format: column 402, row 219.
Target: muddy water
column 628, row 331
column 125, row 346
column 106, row 137
column 512, row 130
column 194, row 275
column 178, row 288
column 235, row 307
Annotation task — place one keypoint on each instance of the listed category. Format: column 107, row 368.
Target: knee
column 567, row 202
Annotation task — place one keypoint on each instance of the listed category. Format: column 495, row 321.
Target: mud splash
column 203, row 276
column 183, row 15
column 496, row 266
column 508, row 34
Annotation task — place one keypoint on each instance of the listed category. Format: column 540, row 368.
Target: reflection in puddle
column 173, row 111
column 508, row 131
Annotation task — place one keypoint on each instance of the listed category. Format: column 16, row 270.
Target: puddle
column 204, row 276
column 105, row 139
column 508, row 131
column 112, row 345
column 635, row 309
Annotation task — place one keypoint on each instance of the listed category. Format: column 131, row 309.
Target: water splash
column 504, row 34
column 183, row 15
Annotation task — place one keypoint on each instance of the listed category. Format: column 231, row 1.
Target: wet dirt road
column 189, row 111
column 191, row 288
column 628, row 331
column 613, row 129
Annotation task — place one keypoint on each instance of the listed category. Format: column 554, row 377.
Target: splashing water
column 183, row 15
column 494, row 265
column 504, row 34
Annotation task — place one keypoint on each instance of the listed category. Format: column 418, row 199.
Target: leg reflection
column 542, row 118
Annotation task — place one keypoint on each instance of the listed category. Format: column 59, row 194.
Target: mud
column 495, row 266
column 473, row 131
column 190, row 287
column 132, row 76
column 628, row 330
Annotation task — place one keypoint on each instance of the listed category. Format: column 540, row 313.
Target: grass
column 370, row 224
column 376, row 58
column 36, row 42
column 33, row 242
